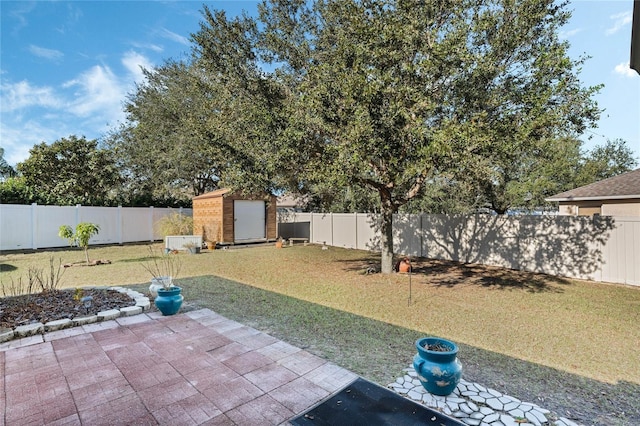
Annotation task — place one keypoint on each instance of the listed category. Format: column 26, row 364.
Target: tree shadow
column 554, row 245
column 6, row 267
column 447, row 273
column 347, row 340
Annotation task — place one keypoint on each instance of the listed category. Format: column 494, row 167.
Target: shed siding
column 216, row 208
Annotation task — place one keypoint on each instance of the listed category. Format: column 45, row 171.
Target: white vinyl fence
column 33, row 226
column 597, row 248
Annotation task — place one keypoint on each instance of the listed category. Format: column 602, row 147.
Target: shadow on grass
column 379, row 351
column 445, row 273
column 5, row 267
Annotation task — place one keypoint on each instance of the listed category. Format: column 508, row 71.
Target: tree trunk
column 86, row 254
column 386, row 234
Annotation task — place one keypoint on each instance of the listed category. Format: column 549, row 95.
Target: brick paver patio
column 189, row 369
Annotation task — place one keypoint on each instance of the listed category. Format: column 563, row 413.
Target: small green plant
column 175, row 224
column 78, row 294
column 84, row 232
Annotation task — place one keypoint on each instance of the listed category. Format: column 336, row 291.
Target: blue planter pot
column 169, row 301
column 439, row 372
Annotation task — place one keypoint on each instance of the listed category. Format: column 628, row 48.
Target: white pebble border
column 475, row 405
column 23, row 331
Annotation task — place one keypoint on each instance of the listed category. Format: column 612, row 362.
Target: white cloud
column 87, row 105
column 133, row 61
column 621, row 20
column 624, row 70
column 19, row 137
column 563, row 35
column 173, row 36
column 154, row 47
column 98, row 92
column 16, row 96
column 45, row 53
column 19, row 14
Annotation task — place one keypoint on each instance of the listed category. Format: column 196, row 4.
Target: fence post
column 119, row 225
column 421, row 237
column 151, row 238
column 331, row 221
column 34, row 225
column 355, row 215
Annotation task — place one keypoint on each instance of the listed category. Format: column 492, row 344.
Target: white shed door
column 249, row 220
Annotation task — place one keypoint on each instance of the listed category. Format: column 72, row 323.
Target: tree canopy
column 346, row 100
column 389, row 96
column 70, row 171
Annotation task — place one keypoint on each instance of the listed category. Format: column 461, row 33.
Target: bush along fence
column 26, row 227
column 600, row 248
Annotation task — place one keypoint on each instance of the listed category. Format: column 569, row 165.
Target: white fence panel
column 622, row 253
column 367, row 237
column 344, row 227
column 600, row 248
column 48, row 220
column 321, row 231
column 407, row 234
column 32, row 226
column 108, row 219
column 137, row 225
column 16, row 231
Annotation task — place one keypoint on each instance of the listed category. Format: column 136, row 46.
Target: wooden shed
column 232, row 218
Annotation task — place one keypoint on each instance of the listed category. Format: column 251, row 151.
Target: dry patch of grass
column 585, row 328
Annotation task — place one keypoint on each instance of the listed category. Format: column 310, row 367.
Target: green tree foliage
column 389, row 96
column 71, row 171
column 190, row 131
column 605, row 161
column 166, row 148
column 84, row 232
column 15, row 191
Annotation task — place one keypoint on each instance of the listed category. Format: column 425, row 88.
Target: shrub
column 175, row 224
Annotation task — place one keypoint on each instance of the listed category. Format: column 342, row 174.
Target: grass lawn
column 565, row 330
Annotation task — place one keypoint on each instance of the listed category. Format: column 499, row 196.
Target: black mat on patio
column 365, row 403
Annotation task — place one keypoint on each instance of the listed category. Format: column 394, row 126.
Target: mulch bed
column 58, row 304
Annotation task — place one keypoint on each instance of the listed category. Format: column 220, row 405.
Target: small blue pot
column 169, row 301
column 439, row 372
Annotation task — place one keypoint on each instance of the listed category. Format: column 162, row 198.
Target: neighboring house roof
column 290, row 201
column 621, row 187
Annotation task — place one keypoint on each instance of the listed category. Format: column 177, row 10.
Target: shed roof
column 621, row 187
column 212, row 194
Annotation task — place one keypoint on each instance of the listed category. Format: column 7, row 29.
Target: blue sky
column 66, row 67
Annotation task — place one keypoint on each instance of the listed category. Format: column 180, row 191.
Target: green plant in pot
column 164, row 269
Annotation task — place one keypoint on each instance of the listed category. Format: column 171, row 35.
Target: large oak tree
column 388, row 95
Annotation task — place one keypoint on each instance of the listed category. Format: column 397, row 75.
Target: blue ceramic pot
column 169, row 301
column 439, row 372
